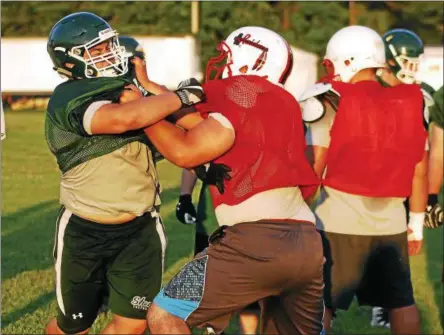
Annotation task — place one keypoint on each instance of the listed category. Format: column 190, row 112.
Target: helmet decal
column 252, row 51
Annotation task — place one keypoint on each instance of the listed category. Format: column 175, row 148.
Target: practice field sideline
column 29, row 206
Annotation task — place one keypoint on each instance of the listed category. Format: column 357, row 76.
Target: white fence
column 27, row 69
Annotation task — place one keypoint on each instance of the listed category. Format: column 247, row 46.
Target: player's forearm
column 171, row 142
column 418, row 198
column 136, row 114
column 185, row 150
column 435, row 175
column 188, row 182
column 147, row 111
column 153, row 87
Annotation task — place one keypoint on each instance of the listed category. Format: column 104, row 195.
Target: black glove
column 185, row 211
column 214, row 174
column 190, row 92
column 434, row 215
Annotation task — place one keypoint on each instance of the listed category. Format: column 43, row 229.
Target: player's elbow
column 123, row 122
column 421, row 169
column 180, row 156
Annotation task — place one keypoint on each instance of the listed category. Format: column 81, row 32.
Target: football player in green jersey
column 403, row 49
column 434, row 217
column 109, row 240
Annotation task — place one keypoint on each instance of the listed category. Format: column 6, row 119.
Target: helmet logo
column 260, row 61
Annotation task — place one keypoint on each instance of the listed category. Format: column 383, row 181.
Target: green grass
column 29, row 204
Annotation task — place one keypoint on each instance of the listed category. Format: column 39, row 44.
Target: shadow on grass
column 27, row 239
column 433, row 249
column 34, row 305
column 28, row 235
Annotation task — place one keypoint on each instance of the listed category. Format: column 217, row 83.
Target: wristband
column 185, row 198
column 432, row 200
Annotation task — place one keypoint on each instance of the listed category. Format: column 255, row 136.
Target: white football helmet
column 352, row 49
column 252, row 51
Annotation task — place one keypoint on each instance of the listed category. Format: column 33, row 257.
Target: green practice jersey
column 437, row 117
column 65, row 135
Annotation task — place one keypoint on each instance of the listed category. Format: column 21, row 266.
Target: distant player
column 434, row 217
column 361, row 135
column 3, row 127
column 403, row 49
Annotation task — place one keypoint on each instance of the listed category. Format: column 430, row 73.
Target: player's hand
column 414, row 245
column 130, row 93
column 214, row 174
column 140, row 69
column 190, row 92
column 185, row 211
column 434, row 214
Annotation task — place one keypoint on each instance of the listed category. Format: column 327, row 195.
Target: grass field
column 29, row 203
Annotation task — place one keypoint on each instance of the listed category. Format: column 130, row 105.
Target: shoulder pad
column 315, row 90
column 428, row 102
column 312, row 110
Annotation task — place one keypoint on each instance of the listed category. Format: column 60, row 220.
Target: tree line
column 306, row 25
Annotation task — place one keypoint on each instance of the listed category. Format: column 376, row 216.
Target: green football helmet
column 132, row 46
column 71, row 40
column 403, row 48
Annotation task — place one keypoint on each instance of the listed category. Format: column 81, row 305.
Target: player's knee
column 136, row 327
column 157, row 316
column 52, row 328
column 121, row 325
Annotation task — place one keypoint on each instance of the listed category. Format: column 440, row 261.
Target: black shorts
column 374, row 268
column 122, row 263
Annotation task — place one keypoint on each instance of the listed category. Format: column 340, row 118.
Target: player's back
column 269, row 148
column 374, row 124
column 265, row 112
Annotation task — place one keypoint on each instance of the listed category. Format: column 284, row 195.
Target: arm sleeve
column 437, row 110
column 89, row 113
column 79, row 118
column 222, row 120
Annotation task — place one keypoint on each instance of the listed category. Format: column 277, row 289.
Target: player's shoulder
column 312, row 101
column 75, row 92
column 437, row 110
column 427, row 93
